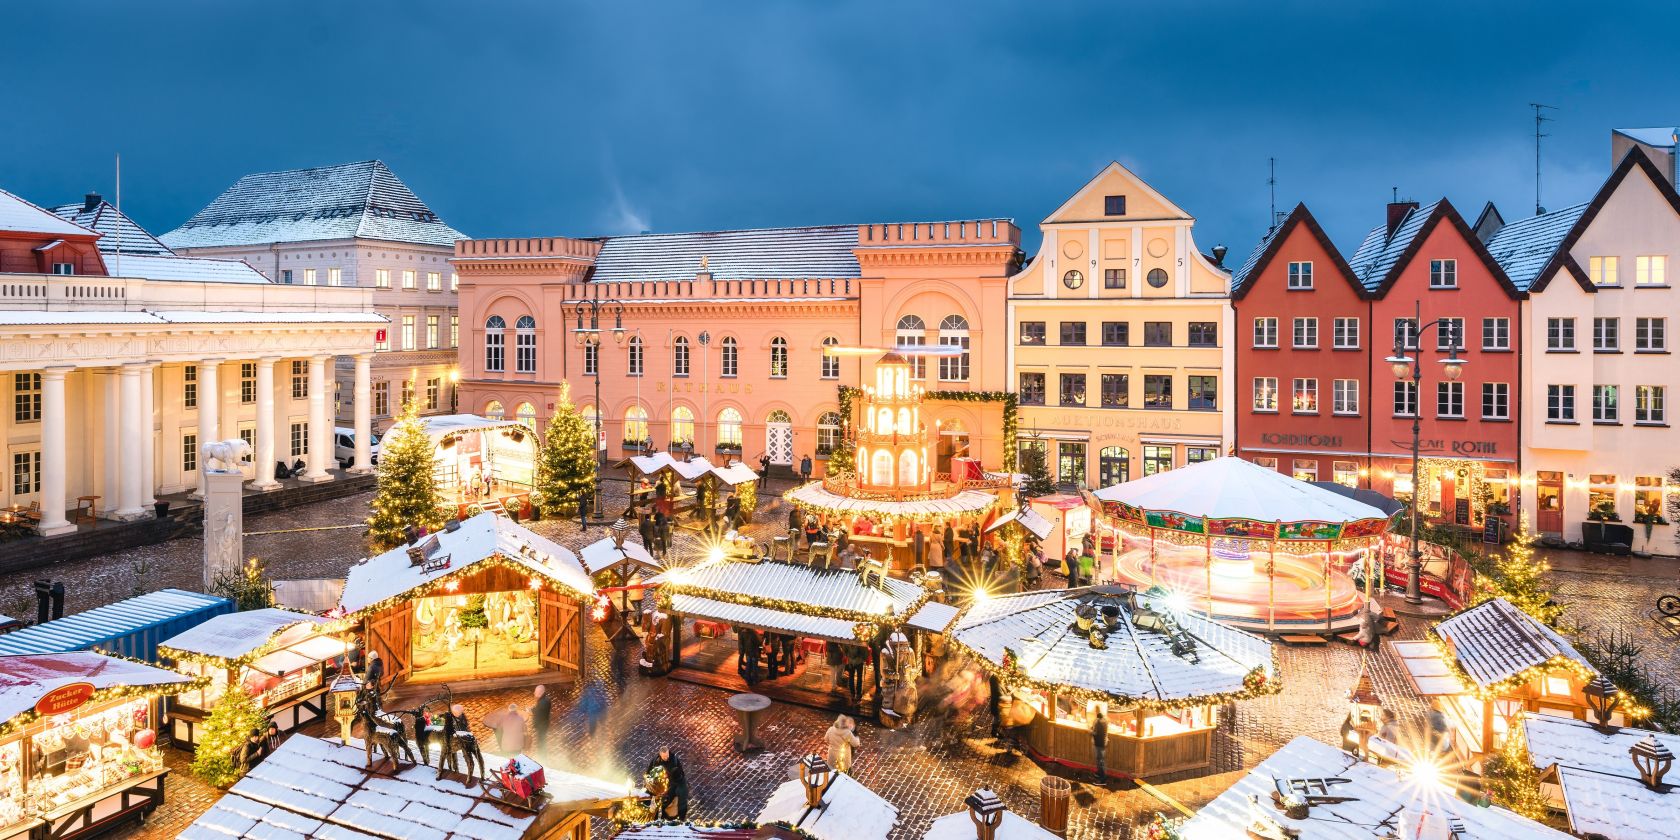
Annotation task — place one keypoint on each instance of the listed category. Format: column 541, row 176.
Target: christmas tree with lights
column 407, row 493
column 219, row 758
column 566, row 462
column 1520, row 577
column 1511, row 779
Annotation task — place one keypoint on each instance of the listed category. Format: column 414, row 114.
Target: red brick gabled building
column 1301, row 383
column 34, row 241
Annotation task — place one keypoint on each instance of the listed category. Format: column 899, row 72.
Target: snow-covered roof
column 1524, row 247
column 315, row 788
column 113, row 226
column 443, row 425
column 684, row 831
column 1659, row 137
column 1384, row 804
column 731, row 474
column 354, row 200
column 934, row 617
column 1601, row 787
column 1240, row 276
column 1138, row 665
column 1028, row 518
column 22, row 216
column 479, row 538
column 171, row 267
column 1233, row 488
column 26, row 678
column 850, row 811
column 1377, row 255
column 233, row 635
column 1494, row 641
column 822, row 252
column 765, row 618
column 963, row 503
column 32, row 318
column 826, row 589
column 602, row 554
column 960, row 826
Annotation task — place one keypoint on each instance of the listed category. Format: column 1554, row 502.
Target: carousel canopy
column 850, row 811
column 441, row 426
column 477, row 540
column 964, row 503
column 1035, row 637
column 1602, row 790
column 1494, row 641
column 1380, row 803
column 25, row 679
column 830, row 604
column 602, row 554
column 235, row 635
column 1233, row 497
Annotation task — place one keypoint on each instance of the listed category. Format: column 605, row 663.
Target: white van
column 344, row 446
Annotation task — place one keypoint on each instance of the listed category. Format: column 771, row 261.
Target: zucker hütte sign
column 65, row 698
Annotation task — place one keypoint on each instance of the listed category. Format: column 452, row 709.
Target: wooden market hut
column 1610, row 782
column 647, row 472
column 1160, row 675
column 484, row 599
column 1485, row 666
column 280, row 657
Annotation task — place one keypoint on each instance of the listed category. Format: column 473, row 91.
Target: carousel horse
column 459, row 740
column 384, row 731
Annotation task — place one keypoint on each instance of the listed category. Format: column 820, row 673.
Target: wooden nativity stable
column 484, row 599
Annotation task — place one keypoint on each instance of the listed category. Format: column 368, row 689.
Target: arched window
column 881, row 468
column 908, row 469
column 525, row 345
column 778, row 416
column 591, row 420
column 637, row 359
column 911, row 335
column 828, row 432
column 729, row 428
column 635, row 424
column 679, row 356
column 778, row 358
column 494, row 410
column 731, row 357
column 953, row 332
column 1114, row 465
column 682, row 425
column 527, row 414
column 830, row 364
column 494, row 345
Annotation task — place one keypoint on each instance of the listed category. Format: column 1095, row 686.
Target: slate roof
column 114, row 227
column 1494, row 641
column 23, row 216
column 1601, row 788
column 1524, row 247
column 1242, row 272
column 823, row 252
column 1378, row 253
column 353, row 200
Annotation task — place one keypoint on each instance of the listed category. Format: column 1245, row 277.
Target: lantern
column 341, row 696
column 986, row 810
column 1602, row 699
column 1364, row 710
column 814, row 774
column 1652, row 759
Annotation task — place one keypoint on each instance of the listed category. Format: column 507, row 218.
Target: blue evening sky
column 545, row 118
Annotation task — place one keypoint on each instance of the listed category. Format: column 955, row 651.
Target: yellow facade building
column 1120, row 332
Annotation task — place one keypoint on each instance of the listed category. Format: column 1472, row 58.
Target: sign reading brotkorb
column 65, row 698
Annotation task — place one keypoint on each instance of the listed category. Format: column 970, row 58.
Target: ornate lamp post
column 1404, row 366
column 589, row 338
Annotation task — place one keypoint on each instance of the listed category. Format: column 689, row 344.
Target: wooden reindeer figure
column 459, row 740
column 384, row 732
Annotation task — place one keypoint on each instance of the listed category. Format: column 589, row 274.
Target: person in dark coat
column 678, row 783
column 764, row 468
column 732, row 511
column 796, row 518
column 950, row 544
column 542, row 710
column 1099, row 742
column 374, row 674
column 650, row 539
column 805, row 468
column 994, row 702
column 663, row 523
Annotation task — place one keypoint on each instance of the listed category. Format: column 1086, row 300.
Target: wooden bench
column 1303, row 640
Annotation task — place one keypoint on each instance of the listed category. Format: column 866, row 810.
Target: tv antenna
column 1271, row 187
column 1540, row 119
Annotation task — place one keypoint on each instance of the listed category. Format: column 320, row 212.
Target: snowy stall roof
column 731, row 474
column 1494, row 641
column 1030, row 519
column 239, row 634
column 1137, row 666
column 850, row 811
column 1384, row 804
column 602, row 554
column 444, row 425
column 822, row 251
column 361, row 200
column 1430, row 673
column 765, row 618
column 964, row 503
column 23, row 216
column 25, row 679
column 114, row 227
column 960, row 826
column 1602, row 792
column 315, row 788
column 934, row 617
column 479, row 538
column 790, row 598
column 1233, row 488
column 130, row 627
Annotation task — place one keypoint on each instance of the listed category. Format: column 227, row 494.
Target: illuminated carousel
column 1246, row 545
column 893, row 500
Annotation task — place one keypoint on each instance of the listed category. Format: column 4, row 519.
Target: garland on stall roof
column 1011, row 415
column 117, row 692
column 1629, row 705
column 493, row 561
column 864, row 624
column 258, row 652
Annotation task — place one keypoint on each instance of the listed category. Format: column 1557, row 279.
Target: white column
column 148, row 438
column 54, row 462
column 209, row 412
column 320, row 421
column 265, row 424
column 364, row 414
column 129, row 447
column 110, row 425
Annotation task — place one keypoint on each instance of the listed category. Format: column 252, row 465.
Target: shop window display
column 480, row 635
column 76, row 757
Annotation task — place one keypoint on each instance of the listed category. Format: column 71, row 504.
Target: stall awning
column 764, row 618
column 1030, row 519
column 602, row 554
column 304, row 654
column 1429, row 672
column 131, row 627
column 934, row 617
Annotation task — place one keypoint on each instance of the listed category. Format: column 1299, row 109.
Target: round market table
column 748, row 707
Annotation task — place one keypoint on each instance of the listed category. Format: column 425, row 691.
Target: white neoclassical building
column 115, row 370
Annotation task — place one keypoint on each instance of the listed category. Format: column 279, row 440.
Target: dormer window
column 64, row 268
column 1114, row 205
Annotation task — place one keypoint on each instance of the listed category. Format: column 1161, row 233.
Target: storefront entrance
column 1549, row 492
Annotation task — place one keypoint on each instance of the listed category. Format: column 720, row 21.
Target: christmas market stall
column 628, row 566
column 78, row 742
column 1485, row 666
column 799, row 631
column 314, row 788
column 1245, row 545
column 482, row 599
column 1610, row 782
column 132, row 627
column 1156, row 674
column 280, row 658
column 656, row 481
column 1312, row 791
column 986, row 816
column 482, row 463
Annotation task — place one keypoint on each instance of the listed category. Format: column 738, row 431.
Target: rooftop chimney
column 986, row 810
column 91, row 201
column 1397, row 211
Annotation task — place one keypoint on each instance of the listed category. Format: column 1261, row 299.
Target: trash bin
column 162, row 509
column 1054, row 793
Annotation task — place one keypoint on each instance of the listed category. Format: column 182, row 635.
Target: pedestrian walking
column 842, row 743
column 764, row 468
column 805, row 468
column 1099, row 742
column 509, row 726
column 796, row 518
column 593, row 704
column 542, row 709
column 676, row 791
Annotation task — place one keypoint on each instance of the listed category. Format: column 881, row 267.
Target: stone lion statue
column 226, row 455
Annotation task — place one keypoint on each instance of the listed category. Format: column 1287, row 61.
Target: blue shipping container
column 131, row 627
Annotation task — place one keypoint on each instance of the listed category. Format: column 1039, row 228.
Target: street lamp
column 589, row 338
column 1404, row 366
